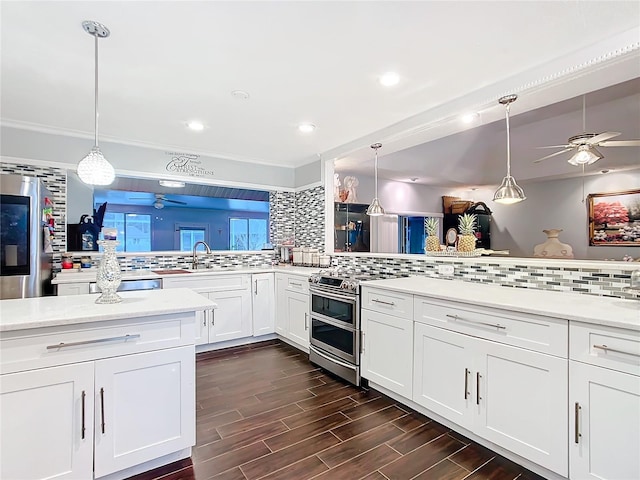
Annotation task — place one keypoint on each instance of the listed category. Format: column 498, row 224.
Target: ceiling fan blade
column 602, row 137
column 621, row 143
column 174, row 201
column 553, row 155
column 556, row 146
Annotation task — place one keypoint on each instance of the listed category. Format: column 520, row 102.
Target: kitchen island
column 97, row 391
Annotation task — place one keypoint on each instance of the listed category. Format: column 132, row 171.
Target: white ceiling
column 166, row 63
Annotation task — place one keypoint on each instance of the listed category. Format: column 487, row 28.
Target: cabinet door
column 387, row 356
column 298, row 317
column 47, row 423
column 145, row 407
column 282, row 311
column 522, row 397
column 443, row 374
column 202, row 322
column 606, row 440
column 232, row 318
column 263, row 304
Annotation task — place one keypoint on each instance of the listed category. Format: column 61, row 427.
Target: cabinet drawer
column 211, row 283
column 607, row 347
column 541, row 334
column 385, row 301
column 72, row 289
column 23, row 351
column 297, row 283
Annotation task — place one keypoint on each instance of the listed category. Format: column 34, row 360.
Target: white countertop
column 89, row 274
column 614, row 312
column 25, row 313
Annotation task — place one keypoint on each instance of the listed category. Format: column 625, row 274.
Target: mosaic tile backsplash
column 301, row 215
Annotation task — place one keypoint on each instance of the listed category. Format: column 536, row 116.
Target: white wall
column 518, row 228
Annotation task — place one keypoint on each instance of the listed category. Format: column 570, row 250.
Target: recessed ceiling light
column 306, row 127
column 171, row 183
column 389, row 79
column 240, row 95
column 195, row 126
column 470, row 117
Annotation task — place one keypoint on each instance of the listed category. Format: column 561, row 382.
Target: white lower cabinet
column 263, row 303
column 47, row 423
column 387, row 353
column 90, row 419
column 292, row 308
column 233, row 316
column 510, row 396
column 604, row 424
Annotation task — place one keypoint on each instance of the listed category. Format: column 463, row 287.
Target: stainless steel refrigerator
column 26, row 223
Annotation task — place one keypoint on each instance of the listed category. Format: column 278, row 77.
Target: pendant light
column 375, row 209
column 94, row 169
column 509, row 191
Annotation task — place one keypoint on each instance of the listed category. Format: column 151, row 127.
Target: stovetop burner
column 340, row 278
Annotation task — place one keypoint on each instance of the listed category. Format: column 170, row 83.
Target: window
column 187, row 234
column 247, row 233
column 134, row 231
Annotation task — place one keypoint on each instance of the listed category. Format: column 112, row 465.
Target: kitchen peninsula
column 97, row 391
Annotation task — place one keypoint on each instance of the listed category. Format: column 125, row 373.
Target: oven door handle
column 330, row 321
column 322, row 293
column 333, row 359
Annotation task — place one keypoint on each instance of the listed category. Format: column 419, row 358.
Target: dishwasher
column 132, row 284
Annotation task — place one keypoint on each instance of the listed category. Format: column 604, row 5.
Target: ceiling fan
column 161, row 199
column 584, row 145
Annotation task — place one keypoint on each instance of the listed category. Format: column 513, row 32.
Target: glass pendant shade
column 585, row 156
column 94, row 169
column 375, row 209
column 509, row 192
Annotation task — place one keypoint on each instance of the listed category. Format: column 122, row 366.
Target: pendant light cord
column 507, row 106
column 375, row 169
column 584, row 114
column 96, row 88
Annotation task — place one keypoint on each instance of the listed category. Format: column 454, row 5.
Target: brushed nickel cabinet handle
column 608, row 349
column 466, row 383
column 102, row 408
column 478, row 397
column 256, row 287
column 361, row 341
column 83, row 430
column 494, row 325
column 306, row 321
column 296, row 284
column 213, row 318
column 204, row 318
column 375, row 300
column 576, row 421
column 90, row 342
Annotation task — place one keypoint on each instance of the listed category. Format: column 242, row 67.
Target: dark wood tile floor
column 265, row 412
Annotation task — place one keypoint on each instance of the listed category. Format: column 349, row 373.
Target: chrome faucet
column 194, row 263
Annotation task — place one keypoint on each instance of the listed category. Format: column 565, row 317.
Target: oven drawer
column 541, row 334
column 385, row 301
column 607, row 347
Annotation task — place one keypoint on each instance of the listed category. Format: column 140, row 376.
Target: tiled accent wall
column 228, row 260
column 282, row 208
column 602, row 282
column 55, row 179
column 309, row 218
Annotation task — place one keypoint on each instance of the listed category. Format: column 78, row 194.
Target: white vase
column 109, row 277
column 553, row 248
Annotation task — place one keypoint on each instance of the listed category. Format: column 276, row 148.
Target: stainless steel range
column 334, row 309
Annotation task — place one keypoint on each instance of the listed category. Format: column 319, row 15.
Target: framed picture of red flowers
column 614, row 218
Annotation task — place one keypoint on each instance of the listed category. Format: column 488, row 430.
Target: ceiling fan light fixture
column 375, row 209
column 94, row 169
column 158, row 205
column 585, row 156
column 509, row 192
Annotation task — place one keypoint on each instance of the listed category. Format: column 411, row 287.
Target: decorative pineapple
column 467, row 229
column 431, row 229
